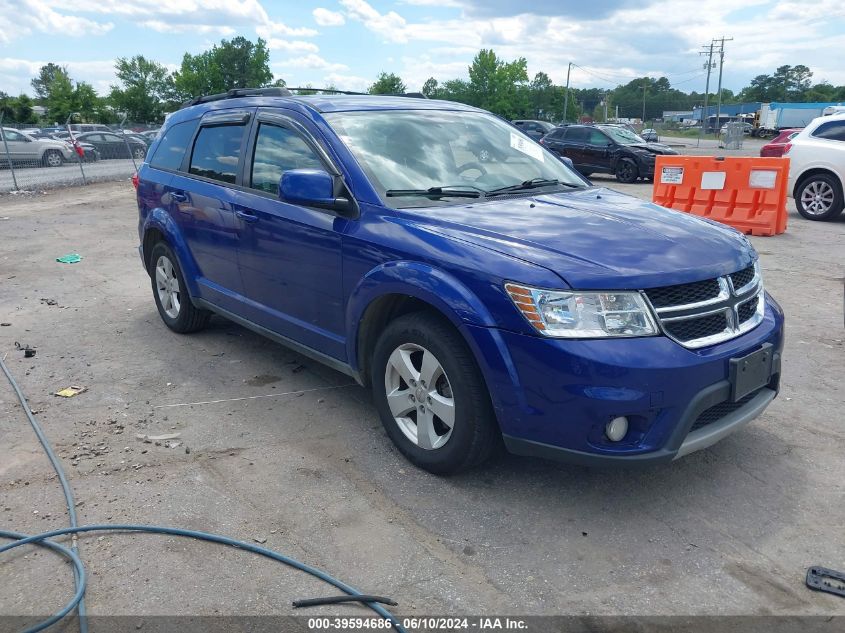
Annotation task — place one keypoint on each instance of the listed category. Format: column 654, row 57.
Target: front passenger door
column 290, row 254
column 597, row 154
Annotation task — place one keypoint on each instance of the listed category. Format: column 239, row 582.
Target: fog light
column 617, row 428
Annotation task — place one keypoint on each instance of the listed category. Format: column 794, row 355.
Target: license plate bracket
column 751, row 372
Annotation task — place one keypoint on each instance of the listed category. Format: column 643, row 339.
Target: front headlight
column 574, row 314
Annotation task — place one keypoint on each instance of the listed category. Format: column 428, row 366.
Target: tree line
column 145, row 90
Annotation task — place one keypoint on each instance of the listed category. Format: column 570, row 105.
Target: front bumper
column 553, row 397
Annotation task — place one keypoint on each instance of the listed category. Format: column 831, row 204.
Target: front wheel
column 819, row 197
column 431, row 396
column 626, row 171
column 171, row 297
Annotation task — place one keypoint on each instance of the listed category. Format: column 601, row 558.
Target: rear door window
column 576, row 134
column 174, row 145
column 217, row 152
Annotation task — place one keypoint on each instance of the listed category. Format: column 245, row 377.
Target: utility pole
column 721, row 41
column 645, row 87
column 709, row 67
column 606, row 95
column 566, row 93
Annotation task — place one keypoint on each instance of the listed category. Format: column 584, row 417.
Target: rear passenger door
column 290, row 254
column 200, row 198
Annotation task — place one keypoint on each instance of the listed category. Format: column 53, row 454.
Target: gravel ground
column 292, row 453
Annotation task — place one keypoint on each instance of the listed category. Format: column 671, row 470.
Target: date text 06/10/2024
column 421, row 624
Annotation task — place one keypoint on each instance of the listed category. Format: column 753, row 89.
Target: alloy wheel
column 420, row 396
column 167, row 284
column 817, row 197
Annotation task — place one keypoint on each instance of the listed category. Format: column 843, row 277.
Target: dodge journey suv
column 504, row 301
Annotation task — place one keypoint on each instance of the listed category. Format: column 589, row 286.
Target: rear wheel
column 431, row 396
column 819, row 197
column 171, row 297
column 53, row 158
column 139, row 152
column 626, row 171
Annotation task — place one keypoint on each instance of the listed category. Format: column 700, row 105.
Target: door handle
column 178, row 196
column 246, row 217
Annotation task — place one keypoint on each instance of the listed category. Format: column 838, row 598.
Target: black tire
column 53, row 158
column 475, row 435
column 626, row 171
column 823, row 182
column 189, row 318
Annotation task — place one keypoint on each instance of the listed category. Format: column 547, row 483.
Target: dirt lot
column 730, row 530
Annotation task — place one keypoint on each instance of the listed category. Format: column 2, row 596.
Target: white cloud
column 278, row 44
column 352, row 83
column 324, row 17
column 169, row 27
column 311, row 61
column 20, row 19
column 390, row 25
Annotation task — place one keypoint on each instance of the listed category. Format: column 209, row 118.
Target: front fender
column 159, row 219
column 422, row 281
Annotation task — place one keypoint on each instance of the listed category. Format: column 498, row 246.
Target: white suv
column 817, row 168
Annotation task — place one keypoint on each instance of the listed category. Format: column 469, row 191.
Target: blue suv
column 483, row 290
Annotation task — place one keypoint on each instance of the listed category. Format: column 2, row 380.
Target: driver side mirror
column 311, row 188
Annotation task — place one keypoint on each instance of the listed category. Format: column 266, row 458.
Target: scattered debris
column 50, row 302
column 70, row 392
column 28, row 351
column 5, row 324
column 260, row 539
column 70, row 258
column 149, row 439
column 827, row 580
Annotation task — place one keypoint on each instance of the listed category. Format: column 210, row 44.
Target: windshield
column 622, row 136
column 405, row 153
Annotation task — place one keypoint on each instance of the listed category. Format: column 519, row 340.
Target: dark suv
column 534, row 129
column 608, row 149
column 484, row 302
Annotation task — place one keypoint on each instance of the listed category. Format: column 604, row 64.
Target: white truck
column 778, row 116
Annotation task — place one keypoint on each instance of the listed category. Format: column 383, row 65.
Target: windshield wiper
column 534, row 183
column 434, row 192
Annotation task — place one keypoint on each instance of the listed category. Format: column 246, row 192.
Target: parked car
column 25, row 149
column 140, row 138
column 778, row 145
column 649, row 135
column 534, row 129
column 151, row 134
column 817, row 168
column 481, row 302
column 82, row 128
column 607, row 149
column 111, row 145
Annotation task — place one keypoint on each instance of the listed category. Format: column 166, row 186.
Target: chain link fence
column 36, row 159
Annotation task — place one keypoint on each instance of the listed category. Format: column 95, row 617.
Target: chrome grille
column 711, row 311
column 683, row 293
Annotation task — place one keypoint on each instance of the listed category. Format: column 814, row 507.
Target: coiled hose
column 72, row 553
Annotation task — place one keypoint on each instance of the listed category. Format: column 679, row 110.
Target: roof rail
column 332, row 91
column 240, row 92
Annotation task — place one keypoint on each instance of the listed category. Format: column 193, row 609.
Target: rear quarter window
column 174, row 144
column 831, row 130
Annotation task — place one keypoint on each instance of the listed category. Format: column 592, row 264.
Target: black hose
column 78, row 600
column 318, row 602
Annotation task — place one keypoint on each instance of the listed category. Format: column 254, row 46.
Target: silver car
column 22, row 148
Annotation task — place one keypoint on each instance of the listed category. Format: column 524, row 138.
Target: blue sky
column 347, row 42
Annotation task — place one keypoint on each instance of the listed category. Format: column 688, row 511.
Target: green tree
column 495, row 85
column 46, row 76
column 23, row 112
column 144, row 91
column 235, row 63
column 387, row 84
column 542, row 95
column 429, row 88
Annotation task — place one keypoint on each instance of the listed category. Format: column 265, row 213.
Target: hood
column 50, row 142
column 654, row 148
column 596, row 238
